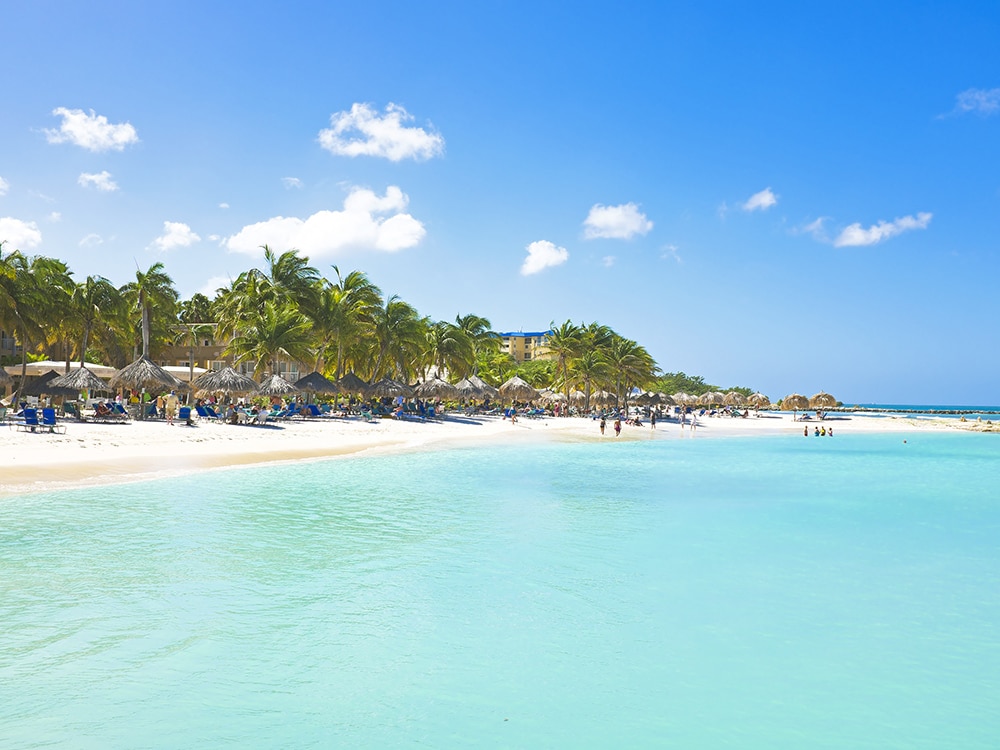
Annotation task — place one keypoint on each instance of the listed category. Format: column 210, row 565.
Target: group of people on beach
column 818, row 431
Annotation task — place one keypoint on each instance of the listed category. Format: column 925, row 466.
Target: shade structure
column 759, row 400
column 575, row 396
column 389, row 388
column 226, row 380
column 517, row 389
column 822, row 400
column 144, row 373
column 685, row 398
column 794, row 402
column 351, row 384
column 80, row 379
column 547, row 396
column 42, row 385
column 275, row 385
column 436, row 388
column 733, row 398
column 487, row 390
column 648, row 398
column 667, row 400
column 711, row 398
column 316, row 382
column 467, row 389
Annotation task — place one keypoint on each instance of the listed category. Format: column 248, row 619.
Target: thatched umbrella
column 575, row 396
column 316, row 382
column 144, row 373
column 389, row 388
column 43, row 385
column 667, row 400
column 794, row 402
column 351, row 384
column 685, row 398
column 80, row 379
column 275, row 385
column 733, row 398
column 712, row 398
column 548, row 396
column 436, row 388
column 517, row 389
column 487, row 390
column 759, row 400
column 467, row 389
column 822, row 401
column 226, row 380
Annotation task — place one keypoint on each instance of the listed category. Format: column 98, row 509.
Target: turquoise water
column 767, row 592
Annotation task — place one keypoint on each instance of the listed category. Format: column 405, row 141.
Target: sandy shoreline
column 90, row 454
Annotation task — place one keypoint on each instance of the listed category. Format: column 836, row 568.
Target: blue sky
column 787, row 197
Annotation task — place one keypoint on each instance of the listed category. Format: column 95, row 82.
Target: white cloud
column 92, row 132
column 608, row 261
column 54, row 218
column 223, row 205
column 91, row 240
column 367, row 222
column 100, row 180
column 981, row 101
column 213, row 284
column 670, row 252
column 541, row 255
column 616, row 222
column 760, row 201
column 175, row 234
column 856, row 235
column 4, row 186
column 291, row 182
column 19, row 235
column 362, row 132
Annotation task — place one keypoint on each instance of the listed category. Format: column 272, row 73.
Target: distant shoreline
column 94, row 454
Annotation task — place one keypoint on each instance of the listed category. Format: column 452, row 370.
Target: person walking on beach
column 170, row 406
column 618, row 427
column 604, row 424
column 652, row 419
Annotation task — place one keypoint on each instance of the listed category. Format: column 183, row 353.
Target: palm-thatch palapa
column 389, row 388
column 144, row 373
column 759, row 400
column 351, row 384
column 80, row 379
column 517, row 389
column 275, row 385
column 733, row 398
column 316, row 382
column 822, row 400
column 712, row 398
column 487, row 390
column 226, row 380
column 436, row 388
column 467, row 389
column 43, row 386
column 794, row 402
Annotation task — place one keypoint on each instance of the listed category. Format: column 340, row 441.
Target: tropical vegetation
column 288, row 310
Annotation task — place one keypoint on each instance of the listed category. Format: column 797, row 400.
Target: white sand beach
column 89, row 453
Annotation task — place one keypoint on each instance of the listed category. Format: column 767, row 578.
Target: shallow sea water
column 767, row 592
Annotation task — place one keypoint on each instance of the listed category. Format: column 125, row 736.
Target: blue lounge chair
column 49, row 421
column 185, row 416
column 28, row 421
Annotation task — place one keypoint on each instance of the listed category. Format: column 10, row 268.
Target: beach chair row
column 29, row 421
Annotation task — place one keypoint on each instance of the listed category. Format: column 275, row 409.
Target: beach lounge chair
column 261, row 418
column 207, row 412
column 49, row 421
column 28, row 420
column 184, row 415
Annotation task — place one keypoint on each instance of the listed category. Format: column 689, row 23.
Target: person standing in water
column 652, row 419
column 618, row 427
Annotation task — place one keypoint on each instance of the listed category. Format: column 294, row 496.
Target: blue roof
column 526, row 334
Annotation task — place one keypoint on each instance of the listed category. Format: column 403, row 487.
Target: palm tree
column 631, row 364
column 342, row 314
column 449, row 347
column 152, row 294
column 278, row 331
column 398, row 333
column 92, row 301
column 566, row 342
column 589, row 367
column 484, row 339
column 198, row 309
